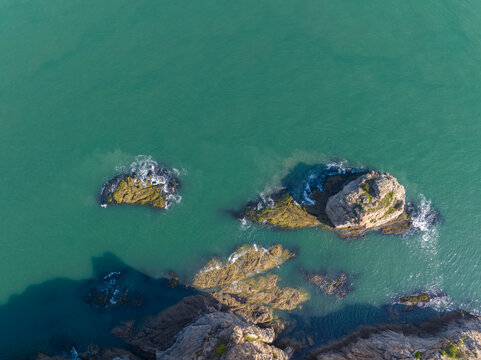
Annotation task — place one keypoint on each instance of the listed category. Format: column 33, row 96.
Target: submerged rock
column 246, row 261
column 453, row 336
column 147, row 184
column 329, row 285
column 109, row 293
column 350, row 201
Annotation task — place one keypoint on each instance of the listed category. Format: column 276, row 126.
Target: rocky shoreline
column 236, row 316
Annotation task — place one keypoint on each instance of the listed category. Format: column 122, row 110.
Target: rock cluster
column 452, row 336
column 336, row 285
column 255, row 299
column 200, row 328
column 352, row 204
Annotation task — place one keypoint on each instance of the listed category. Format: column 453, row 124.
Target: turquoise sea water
column 234, row 95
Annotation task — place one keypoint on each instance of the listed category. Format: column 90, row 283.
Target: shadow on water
column 326, row 329
column 53, row 315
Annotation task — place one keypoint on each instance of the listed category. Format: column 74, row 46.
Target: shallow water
column 235, row 95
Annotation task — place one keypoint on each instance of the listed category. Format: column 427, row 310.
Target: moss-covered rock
column 233, row 284
column 281, row 211
column 146, row 184
column 246, row 261
column 415, row 299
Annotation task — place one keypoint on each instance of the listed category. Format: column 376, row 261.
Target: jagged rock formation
column 254, row 299
column 246, row 261
column 147, row 184
column 157, row 333
column 199, row 327
column 224, row 336
column 453, row 336
column 348, row 201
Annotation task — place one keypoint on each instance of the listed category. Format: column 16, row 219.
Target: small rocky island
column 147, row 183
column 350, row 201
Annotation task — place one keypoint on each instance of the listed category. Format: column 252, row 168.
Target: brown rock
column 246, row 261
column 370, row 201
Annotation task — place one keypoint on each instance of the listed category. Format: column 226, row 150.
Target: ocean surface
column 234, row 95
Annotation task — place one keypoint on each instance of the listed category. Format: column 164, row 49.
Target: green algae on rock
column 350, row 201
column 246, row 261
column 284, row 213
column 147, row 184
column 415, row 299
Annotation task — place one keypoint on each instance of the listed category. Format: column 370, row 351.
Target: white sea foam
column 148, row 171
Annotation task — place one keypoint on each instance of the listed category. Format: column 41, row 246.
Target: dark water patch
column 303, row 180
column 53, row 316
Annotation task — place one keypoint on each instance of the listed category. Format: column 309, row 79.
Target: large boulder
column 370, row 201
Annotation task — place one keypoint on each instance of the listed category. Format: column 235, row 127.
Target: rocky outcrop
column 350, row 201
column 370, row 201
column 157, row 333
column 280, row 210
column 245, row 262
column 415, row 299
column 255, row 299
column 199, row 327
column 452, row 336
column 146, row 184
column 225, row 336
